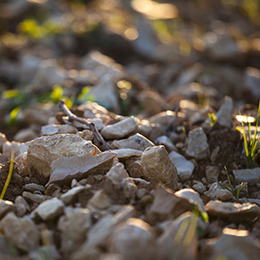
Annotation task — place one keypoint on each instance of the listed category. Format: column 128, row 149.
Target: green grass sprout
column 8, row 177
column 212, row 118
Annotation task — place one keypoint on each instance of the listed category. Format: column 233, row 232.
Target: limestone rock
column 212, row 173
column 166, row 141
column 117, row 173
column 44, row 150
column 34, row 198
column 247, row 175
column 49, row 209
column 129, row 188
column 137, row 142
column 70, row 195
column 125, row 153
column 25, row 135
column 233, row 211
column 184, row 167
column 217, row 192
column 2, row 141
column 17, row 147
column 21, row 232
column 21, row 206
column 5, row 207
column 32, row 187
column 224, row 115
column 121, row 129
column 157, row 166
column 162, row 118
column 133, row 240
column 58, row 129
column 65, row 169
column 100, row 200
column 252, row 81
column 198, row 146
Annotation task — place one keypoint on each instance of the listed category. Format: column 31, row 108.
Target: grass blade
column 238, row 190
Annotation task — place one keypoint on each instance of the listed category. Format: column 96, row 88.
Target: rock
column 5, row 207
column 234, row 212
column 251, row 176
column 212, row 173
column 44, row 150
column 32, row 187
column 166, row 205
column 2, row 141
column 129, row 189
column 184, row 167
column 188, row 107
column 162, row 118
column 157, row 166
column 25, row 135
column 65, row 169
column 21, row 232
column 231, row 244
column 100, row 200
column 121, row 129
column 117, row 173
column 199, row 187
column 21, row 206
column 69, row 196
column 125, row 153
column 133, row 240
column 224, row 115
column 214, row 154
column 166, row 141
column 58, row 129
column 34, row 198
column 217, row 192
column 18, row 148
column 198, row 146
column 137, row 142
column 49, row 209
column 49, row 251
column 73, row 226
column 252, row 81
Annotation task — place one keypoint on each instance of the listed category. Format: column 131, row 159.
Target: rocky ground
column 145, row 157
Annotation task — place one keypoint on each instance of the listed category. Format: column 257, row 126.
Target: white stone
column 217, row 192
column 58, row 129
column 251, row 176
column 117, row 173
column 121, row 129
column 184, row 167
column 18, row 148
column 5, row 207
column 49, row 209
column 100, row 200
column 224, row 115
column 2, row 141
column 198, row 146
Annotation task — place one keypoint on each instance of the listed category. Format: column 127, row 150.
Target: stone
column 73, row 226
column 224, row 114
column 252, row 176
column 34, row 198
column 58, row 129
column 22, row 206
column 32, row 187
column 129, row 189
column 117, row 173
column 198, row 146
column 231, row 244
column 162, row 118
column 121, row 129
column 234, row 212
column 17, row 147
column 166, row 205
column 184, row 167
column 49, row 209
column 69, row 196
column 157, row 166
column 44, row 150
column 251, row 82
column 25, row 135
column 65, row 169
column 100, row 200
column 136, row 141
column 199, row 187
column 188, row 107
column 217, row 192
column 212, row 173
column 125, row 153
column 49, row 252
column 2, row 141
column 6, row 206
column 214, row 154
column 21, row 232
column 133, row 240
column 166, row 141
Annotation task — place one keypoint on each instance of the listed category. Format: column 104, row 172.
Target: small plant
column 250, row 145
column 212, row 118
column 231, row 189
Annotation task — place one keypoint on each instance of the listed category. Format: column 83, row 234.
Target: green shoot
column 8, row 177
column 213, row 119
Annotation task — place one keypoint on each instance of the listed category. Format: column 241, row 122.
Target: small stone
column 44, row 150
column 198, row 146
column 5, row 207
column 217, row 192
column 58, row 129
column 212, row 173
column 184, row 167
column 32, row 187
column 235, row 212
column 34, row 198
column 49, row 209
column 133, row 234
column 162, row 118
column 166, row 141
column 100, row 200
column 21, row 206
column 137, row 142
column 157, row 166
column 117, row 173
column 21, row 232
column 121, row 129
column 52, row 190
column 25, row 135
column 129, row 189
column 125, row 153
column 252, row 81
column 252, row 176
column 18, row 148
column 224, row 115
column 2, row 141
column 199, row 187
column 70, row 195
column 214, row 154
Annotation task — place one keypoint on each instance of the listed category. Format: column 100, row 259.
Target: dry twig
column 91, row 126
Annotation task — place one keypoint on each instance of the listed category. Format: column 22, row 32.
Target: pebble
column 214, row 154
column 125, row 153
column 58, row 129
column 21, row 232
column 17, row 147
column 49, row 209
column 68, row 197
column 121, row 129
column 217, row 192
column 6, row 206
column 129, row 189
column 32, row 187
column 34, row 198
column 212, row 173
column 199, row 187
column 224, row 115
column 252, row 176
column 166, row 141
column 184, row 167
column 252, row 81
column 157, row 166
column 2, row 141
column 117, row 173
column 100, row 200
column 22, row 206
column 163, row 118
column 25, row 135
column 198, row 146
column 136, row 141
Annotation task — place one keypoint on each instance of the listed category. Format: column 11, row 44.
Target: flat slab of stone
column 251, row 176
column 126, row 153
